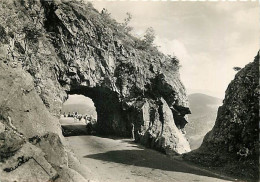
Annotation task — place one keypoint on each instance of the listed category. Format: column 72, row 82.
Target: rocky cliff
column 232, row 146
column 49, row 49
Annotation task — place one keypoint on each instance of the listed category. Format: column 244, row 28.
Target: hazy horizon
column 209, row 38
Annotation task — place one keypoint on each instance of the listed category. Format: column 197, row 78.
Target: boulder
column 155, row 127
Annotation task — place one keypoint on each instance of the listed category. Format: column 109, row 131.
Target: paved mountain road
column 119, row 160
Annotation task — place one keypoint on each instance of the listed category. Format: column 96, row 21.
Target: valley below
column 202, row 118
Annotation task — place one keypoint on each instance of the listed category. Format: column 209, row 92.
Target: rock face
column 233, row 143
column 30, row 137
column 49, row 49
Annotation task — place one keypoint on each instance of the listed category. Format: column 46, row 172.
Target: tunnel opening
column 78, row 116
column 110, row 117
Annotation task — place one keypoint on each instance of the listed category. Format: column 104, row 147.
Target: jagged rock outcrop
column 49, row 49
column 232, row 146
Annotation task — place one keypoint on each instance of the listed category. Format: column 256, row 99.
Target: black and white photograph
column 129, row 90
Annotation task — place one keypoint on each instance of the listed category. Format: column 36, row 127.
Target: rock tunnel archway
column 111, row 118
column 152, row 122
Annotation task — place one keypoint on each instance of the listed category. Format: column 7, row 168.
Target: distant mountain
column 199, row 102
column 204, row 111
column 216, row 94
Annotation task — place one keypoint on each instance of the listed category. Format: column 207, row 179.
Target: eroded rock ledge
column 49, row 49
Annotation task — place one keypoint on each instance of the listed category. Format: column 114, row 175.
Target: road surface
column 117, row 160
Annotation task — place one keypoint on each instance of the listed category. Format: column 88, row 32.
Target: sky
column 209, row 38
column 79, row 99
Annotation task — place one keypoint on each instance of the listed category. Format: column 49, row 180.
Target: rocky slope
column 204, row 112
column 49, row 49
column 232, row 146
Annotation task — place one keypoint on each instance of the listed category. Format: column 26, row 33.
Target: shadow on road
column 150, row 159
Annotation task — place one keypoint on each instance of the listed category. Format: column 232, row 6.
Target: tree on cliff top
column 237, row 68
column 127, row 20
column 149, row 36
column 147, row 40
column 123, row 30
column 175, row 60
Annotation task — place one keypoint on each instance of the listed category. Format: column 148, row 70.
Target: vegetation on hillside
column 124, row 32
